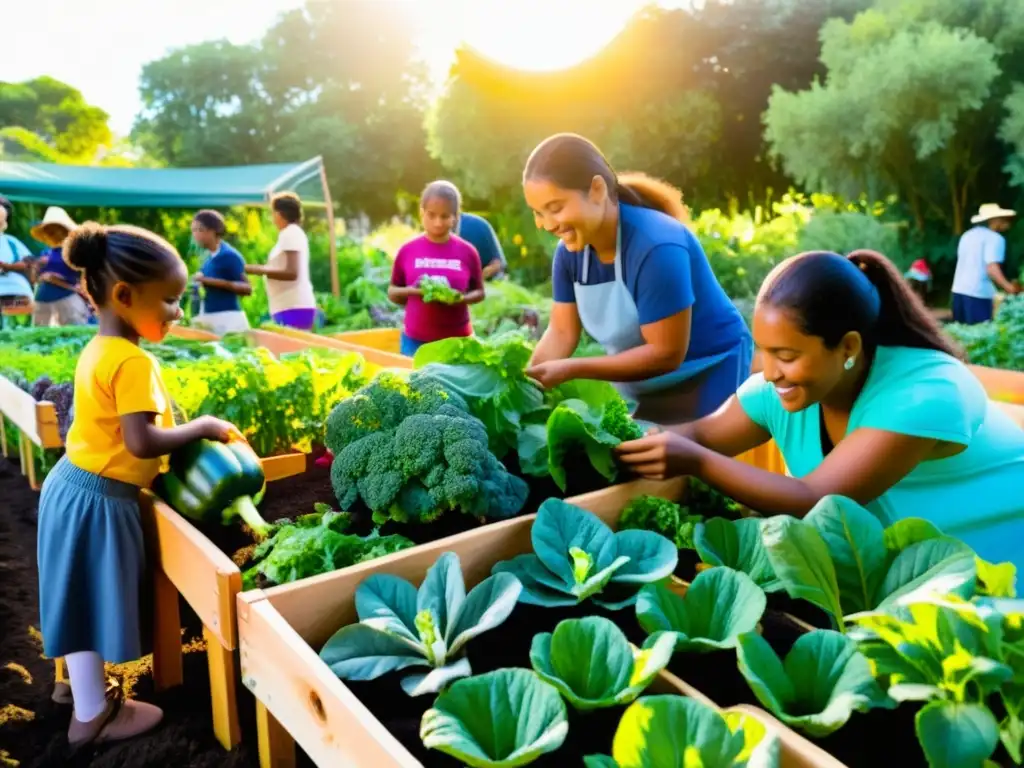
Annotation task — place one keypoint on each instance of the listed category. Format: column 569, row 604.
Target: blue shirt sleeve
column 664, row 285
column 562, row 288
column 487, row 245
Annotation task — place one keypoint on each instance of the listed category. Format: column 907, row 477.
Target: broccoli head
column 653, row 513
column 414, row 453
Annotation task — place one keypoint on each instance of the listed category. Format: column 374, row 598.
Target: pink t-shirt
column 456, row 260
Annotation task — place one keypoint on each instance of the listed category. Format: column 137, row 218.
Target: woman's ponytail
column 903, row 319
column 645, row 191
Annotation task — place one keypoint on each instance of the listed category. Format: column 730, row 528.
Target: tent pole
column 335, row 287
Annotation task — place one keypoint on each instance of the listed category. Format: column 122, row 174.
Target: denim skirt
column 91, row 557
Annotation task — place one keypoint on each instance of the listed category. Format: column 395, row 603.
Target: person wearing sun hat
column 59, row 299
column 979, row 260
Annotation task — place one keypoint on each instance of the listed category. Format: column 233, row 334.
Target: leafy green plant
column 312, row 544
column 503, row 719
column 400, row 626
column 593, row 665
column 576, row 556
column 840, row 558
column 823, row 680
column 661, row 731
column 653, row 513
column 737, row 544
column 956, row 656
column 720, row 605
column 410, row 450
column 436, row 289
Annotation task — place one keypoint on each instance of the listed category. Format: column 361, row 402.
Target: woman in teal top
column 866, row 399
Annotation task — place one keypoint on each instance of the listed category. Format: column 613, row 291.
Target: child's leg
column 88, row 685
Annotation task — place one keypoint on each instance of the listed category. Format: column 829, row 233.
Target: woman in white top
column 289, row 289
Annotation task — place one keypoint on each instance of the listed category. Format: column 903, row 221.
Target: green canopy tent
column 68, row 185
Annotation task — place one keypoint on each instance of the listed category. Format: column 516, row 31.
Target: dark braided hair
column 108, row 255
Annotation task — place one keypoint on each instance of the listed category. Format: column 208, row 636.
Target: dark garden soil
column 33, row 728
column 507, row 646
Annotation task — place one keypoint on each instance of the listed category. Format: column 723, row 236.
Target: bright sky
column 100, row 46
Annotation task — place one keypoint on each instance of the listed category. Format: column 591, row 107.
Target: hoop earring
column 848, row 365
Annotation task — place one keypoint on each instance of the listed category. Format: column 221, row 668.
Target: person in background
column 222, row 276
column 289, row 289
column 630, row 273
column 90, row 542
column 920, row 278
column 867, row 399
column 15, row 264
column 60, row 298
column 979, row 259
column 479, row 233
column 437, row 253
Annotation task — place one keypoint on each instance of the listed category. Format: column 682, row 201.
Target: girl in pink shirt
column 436, row 253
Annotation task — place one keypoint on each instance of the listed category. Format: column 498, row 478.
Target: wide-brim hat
column 990, row 211
column 53, row 215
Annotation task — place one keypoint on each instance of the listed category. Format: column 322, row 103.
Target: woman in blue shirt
column 866, row 399
column 15, row 260
column 60, row 299
column 222, row 277
column 636, row 279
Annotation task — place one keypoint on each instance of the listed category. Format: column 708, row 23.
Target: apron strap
column 618, row 251
column 585, row 270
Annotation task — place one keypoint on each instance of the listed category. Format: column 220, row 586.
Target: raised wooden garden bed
column 1000, row 384
column 300, row 701
column 384, row 339
column 36, row 423
column 282, row 340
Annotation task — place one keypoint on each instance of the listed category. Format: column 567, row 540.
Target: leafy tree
column 50, row 120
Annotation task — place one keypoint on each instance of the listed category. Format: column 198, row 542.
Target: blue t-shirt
column 225, row 264
column 666, row 272
column 974, row 495
column 12, row 250
column 478, row 232
column 54, row 264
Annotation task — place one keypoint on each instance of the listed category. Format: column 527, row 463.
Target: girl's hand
column 552, row 373
column 660, row 455
column 213, row 428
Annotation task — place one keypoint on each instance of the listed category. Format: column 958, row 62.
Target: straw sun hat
column 990, row 211
column 54, row 216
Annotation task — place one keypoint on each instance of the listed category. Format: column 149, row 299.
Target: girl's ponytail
column 903, row 319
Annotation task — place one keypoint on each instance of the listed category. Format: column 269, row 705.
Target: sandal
column 121, row 719
column 62, row 691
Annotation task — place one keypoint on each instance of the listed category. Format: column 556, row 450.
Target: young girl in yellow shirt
column 90, row 546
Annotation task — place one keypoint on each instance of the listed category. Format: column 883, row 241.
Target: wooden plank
column 384, row 339
column 194, row 334
column 280, row 467
column 1000, row 384
column 20, row 407
column 168, row 667
column 276, row 746
column 286, row 340
column 3, row 434
column 205, row 576
column 223, row 690
column 323, row 716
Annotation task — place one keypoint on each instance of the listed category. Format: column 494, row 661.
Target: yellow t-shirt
column 113, row 378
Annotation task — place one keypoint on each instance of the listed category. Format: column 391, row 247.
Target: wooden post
column 335, row 284
column 223, row 693
column 276, row 746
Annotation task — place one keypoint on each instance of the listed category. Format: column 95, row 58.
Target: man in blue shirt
column 481, row 235
column 979, row 259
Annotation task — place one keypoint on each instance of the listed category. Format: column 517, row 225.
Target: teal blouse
column 976, row 495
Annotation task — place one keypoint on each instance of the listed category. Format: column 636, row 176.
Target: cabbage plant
column 823, row 680
column 593, row 665
column 400, row 626
column 576, row 556
column 736, row 544
column 503, row 719
column 661, row 731
column 720, row 605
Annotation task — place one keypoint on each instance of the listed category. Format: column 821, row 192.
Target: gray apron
column 610, row 316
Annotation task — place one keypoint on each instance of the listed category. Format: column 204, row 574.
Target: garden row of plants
column 910, row 620
column 999, row 343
